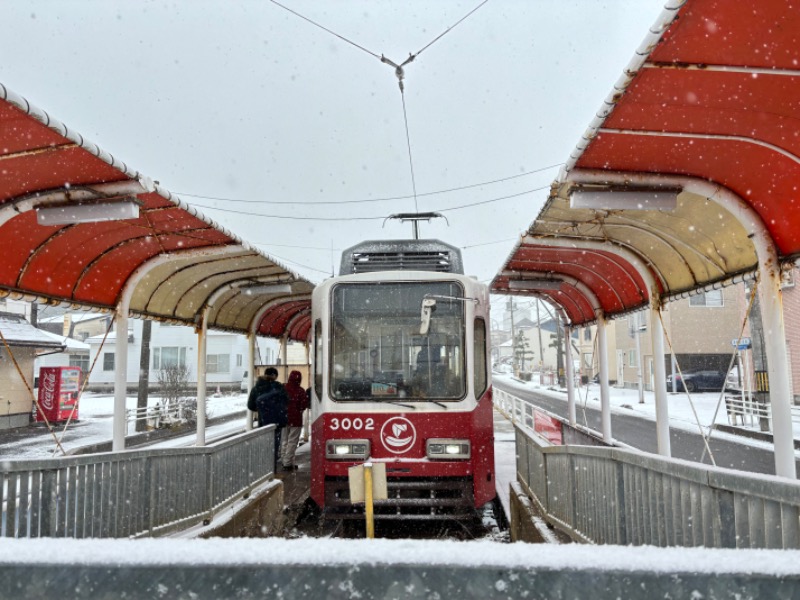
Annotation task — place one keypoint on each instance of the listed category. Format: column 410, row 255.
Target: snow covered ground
column 94, row 426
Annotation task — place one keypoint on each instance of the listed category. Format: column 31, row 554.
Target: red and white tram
column 401, row 376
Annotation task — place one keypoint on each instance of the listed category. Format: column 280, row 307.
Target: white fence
column 133, row 493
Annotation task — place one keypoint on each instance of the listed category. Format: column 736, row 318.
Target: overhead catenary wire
column 315, row 24
column 368, row 200
column 399, row 73
column 296, row 218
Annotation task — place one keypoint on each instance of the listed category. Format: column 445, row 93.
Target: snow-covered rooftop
column 18, row 332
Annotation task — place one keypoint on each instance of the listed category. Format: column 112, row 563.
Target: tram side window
column 480, row 358
column 318, row 364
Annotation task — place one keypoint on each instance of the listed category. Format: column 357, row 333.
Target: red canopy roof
column 709, row 107
column 187, row 257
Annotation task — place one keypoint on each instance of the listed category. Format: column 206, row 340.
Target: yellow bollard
column 368, row 500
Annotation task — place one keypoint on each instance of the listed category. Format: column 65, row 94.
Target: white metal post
column 660, row 384
column 771, row 299
column 284, row 353
column 120, row 375
column 201, row 377
column 251, row 375
column 639, row 360
column 605, row 396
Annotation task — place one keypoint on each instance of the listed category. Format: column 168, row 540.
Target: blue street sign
column 742, row 344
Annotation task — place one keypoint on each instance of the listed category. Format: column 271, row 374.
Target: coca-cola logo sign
column 47, row 396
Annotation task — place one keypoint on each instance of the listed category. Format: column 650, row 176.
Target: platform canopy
column 166, row 255
column 692, row 161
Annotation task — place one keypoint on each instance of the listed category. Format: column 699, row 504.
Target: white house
column 226, row 355
column 75, row 354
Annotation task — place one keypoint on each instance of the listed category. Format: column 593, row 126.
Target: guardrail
column 172, row 412
column 136, row 493
column 615, row 496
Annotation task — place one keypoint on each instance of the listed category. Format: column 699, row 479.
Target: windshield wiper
column 394, row 402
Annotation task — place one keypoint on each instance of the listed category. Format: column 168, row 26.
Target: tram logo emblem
column 398, row 435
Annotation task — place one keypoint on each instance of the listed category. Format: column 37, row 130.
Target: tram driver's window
column 480, row 358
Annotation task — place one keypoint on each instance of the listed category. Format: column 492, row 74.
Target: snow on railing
column 136, row 493
column 617, row 496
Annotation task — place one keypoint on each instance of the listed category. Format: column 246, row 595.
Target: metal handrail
column 617, row 496
column 133, row 493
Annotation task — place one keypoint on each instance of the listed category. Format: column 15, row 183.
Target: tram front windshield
column 377, row 351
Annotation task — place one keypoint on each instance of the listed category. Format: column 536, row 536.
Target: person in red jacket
column 298, row 402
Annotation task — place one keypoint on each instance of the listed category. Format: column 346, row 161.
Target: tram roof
column 175, row 258
column 707, row 109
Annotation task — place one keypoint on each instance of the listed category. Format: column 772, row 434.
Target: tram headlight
column 347, row 449
column 448, row 449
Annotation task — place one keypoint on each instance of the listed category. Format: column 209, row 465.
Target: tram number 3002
column 356, row 424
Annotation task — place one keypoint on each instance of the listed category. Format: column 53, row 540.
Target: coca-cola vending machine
column 59, row 388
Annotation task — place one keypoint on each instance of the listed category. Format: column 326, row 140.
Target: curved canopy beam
column 92, row 263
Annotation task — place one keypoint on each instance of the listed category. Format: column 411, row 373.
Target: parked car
column 698, row 381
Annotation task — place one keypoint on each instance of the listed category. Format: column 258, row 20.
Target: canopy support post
column 120, row 375
column 251, row 375
column 605, row 396
column 202, row 370
column 660, row 384
column 571, row 412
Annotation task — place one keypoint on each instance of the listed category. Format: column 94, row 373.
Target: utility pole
column 144, row 376
column 559, row 356
column 510, row 307
column 541, row 348
column 761, row 392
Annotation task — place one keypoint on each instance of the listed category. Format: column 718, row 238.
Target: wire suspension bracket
column 400, row 74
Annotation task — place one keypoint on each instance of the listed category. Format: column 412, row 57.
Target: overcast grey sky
column 246, row 101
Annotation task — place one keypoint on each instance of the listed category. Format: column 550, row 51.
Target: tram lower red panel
column 399, row 440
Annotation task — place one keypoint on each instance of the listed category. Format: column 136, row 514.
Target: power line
column 370, row 52
column 298, row 247
column 295, row 218
column 489, row 243
column 539, row 189
column 449, row 29
column 315, row 24
column 366, row 200
column 399, row 73
column 286, row 260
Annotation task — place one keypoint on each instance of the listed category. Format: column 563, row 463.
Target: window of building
column 81, row 361
column 218, row 363
column 238, row 360
column 710, row 298
column 169, row 356
column 108, row 361
column 632, row 357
